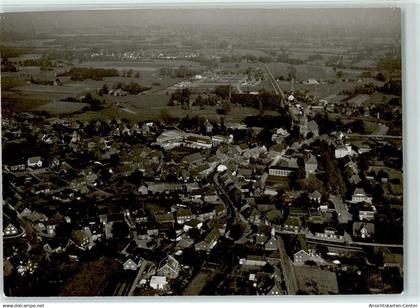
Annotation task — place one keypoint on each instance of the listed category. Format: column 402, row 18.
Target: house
column 283, row 168
column 393, row 260
column 165, row 218
column 366, row 211
column 184, row 215
column 158, row 282
column 108, row 220
column 35, row 161
column 271, row 244
column 304, row 255
column 308, row 127
column 192, row 159
column 275, row 290
column 359, row 195
column 15, row 167
column 330, row 233
column 292, row 224
column 195, row 223
column 315, row 196
column 10, row 230
column 252, row 260
column 363, row 230
column 132, row 264
column 198, row 141
column 342, row 151
column 311, row 164
column 169, row 268
column 209, row 242
column 170, row 139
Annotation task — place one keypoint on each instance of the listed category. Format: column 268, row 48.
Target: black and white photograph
column 202, row 152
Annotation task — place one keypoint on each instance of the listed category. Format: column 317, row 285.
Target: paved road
column 343, row 214
column 230, row 208
column 137, row 279
column 274, row 83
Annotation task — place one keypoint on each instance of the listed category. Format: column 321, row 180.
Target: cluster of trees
column 267, row 121
column 7, row 66
column 83, row 73
column 94, row 103
column 130, row 73
column 44, row 63
column 389, row 64
column 180, row 72
column 181, row 96
column 392, row 87
column 326, row 125
column 329, row 164
column 195, row 123
column 262, row 101
column 363, row 89
column 223, row 91
column 208, row 100
column 133, row 87
column 314, row 57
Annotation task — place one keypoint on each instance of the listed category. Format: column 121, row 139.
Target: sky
column 380, row 19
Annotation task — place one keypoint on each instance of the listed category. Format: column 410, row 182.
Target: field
column 61, row 107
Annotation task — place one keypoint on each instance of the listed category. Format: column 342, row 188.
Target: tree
column 227, row 107
column 119, row 230
column 223, row 91
column 380, row 76
column 265, row 136
column 104, row 89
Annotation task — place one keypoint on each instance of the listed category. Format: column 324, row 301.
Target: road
column 137, row 279
column 343, row 214
column 230, row 208
column 274, row 83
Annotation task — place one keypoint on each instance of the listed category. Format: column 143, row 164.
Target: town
column 166, row 171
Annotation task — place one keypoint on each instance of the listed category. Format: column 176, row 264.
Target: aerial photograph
column 202, row 151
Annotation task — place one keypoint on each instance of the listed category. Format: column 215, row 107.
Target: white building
column 158, row 282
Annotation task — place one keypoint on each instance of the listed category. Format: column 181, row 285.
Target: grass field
column 61, row 107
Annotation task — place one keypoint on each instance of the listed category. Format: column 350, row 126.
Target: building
column 283, row 168
column 315, row 196
column 304, row 255
column 311, row 165
column 198, row 141
column 252, row 260
column 359, row 195
column 158, row 282
column 10, row 230
column 330, row 234
column 209, row 242
column 35, row 161
column 363, row 230
column 342, row 151
column 366, row 211
column 169, row 268
column 184, row 215
column 132, row 264
column 292, row 224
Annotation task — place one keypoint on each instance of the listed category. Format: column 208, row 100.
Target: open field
column 141, row 65
column 61, row 107
column 74, row 88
